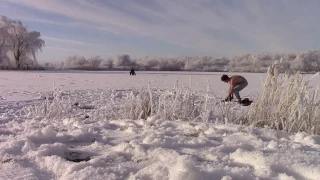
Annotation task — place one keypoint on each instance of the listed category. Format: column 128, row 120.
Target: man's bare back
column 235, row 80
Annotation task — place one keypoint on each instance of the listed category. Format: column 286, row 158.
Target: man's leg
column 238, row 88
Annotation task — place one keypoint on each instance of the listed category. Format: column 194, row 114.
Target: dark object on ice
column 132, row 72
column 6, row 160
column 86, row 116
column 86, row 107
column 82, row 106
column 49, row 97
column 76, row 157
column 245, row 102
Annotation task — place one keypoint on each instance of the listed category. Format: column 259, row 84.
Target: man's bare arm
column 231, row 88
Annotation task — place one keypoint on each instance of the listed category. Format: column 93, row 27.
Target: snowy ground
column 110, row 147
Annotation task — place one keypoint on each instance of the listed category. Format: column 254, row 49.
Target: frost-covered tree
column 205, row 64
column 4, row 35
column 260, row 62
column 148, row 63
column 240, row 63
column 25, row 44
column 70, row 62
column 171, row 64
column 108, row 64
column 123, row 61
column 307, row 61
column 152, row 64
column 15, row 38
column 76, row 62
column 95, row 62
column 80, row 62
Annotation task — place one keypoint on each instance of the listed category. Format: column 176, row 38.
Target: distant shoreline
column 127, row 70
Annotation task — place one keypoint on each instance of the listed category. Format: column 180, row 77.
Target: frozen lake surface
column 24, row 85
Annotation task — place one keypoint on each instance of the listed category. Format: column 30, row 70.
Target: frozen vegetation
column 172, row 125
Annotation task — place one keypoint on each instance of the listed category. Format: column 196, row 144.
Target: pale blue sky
column 168, row 27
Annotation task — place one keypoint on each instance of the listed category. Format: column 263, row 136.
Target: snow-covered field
column 87, row 137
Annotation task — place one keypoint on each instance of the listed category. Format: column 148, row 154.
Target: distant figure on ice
column 132, row 72
column 237, row 83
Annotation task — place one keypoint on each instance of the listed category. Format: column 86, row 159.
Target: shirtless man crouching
column 237, row 83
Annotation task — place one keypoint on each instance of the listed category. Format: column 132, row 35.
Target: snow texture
column 85, row 138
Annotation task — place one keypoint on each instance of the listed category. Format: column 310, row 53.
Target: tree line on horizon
column 305, row 61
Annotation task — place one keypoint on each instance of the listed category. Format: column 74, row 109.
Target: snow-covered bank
column 156, row 149
column 82, row 143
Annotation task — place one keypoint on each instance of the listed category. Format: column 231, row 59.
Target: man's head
column 225, row 78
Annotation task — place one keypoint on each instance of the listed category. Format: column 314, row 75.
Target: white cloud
column 68, row 41
column 46, row 21
column 63, row 49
